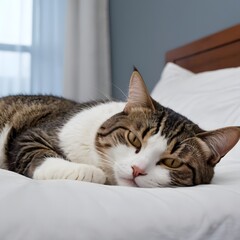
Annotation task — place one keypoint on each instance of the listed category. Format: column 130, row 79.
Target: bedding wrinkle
column 11, row 190
column 227, row 189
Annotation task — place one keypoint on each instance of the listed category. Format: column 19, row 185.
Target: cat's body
column 138, row 143
column 54, row 126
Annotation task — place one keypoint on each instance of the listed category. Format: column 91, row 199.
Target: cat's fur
column 138, row 143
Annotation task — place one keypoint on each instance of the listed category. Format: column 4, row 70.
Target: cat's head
column 148, row 145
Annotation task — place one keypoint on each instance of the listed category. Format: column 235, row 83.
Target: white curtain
column 15, row 46
column 58, row 47
column 87, row 57
column 47, row 68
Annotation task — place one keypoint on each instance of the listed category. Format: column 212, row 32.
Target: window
column 32, row 46
column 15, row 46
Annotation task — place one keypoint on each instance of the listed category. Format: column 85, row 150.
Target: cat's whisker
column 118, row 88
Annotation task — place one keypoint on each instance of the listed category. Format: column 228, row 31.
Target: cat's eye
column 132, row 138
column 172, row 163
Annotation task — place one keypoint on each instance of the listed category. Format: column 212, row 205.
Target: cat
column 137, row 143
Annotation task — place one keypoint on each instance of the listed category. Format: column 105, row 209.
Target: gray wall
column 143, row 30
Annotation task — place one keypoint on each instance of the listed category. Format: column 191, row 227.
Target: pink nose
column 137, row 171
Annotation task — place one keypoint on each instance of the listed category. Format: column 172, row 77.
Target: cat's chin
column 127, row 182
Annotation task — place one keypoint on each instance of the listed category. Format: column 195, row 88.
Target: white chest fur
column 77, row 137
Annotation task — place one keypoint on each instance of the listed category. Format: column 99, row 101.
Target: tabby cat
column 137, row 143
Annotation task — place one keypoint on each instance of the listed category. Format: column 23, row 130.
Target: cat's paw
column 89, row 173
column 57, row 168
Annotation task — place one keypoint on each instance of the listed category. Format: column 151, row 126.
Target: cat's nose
column 137, row 171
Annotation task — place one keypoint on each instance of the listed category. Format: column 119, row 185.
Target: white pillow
column 210, row 99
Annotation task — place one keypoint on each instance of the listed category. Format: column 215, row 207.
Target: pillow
column 211, row 99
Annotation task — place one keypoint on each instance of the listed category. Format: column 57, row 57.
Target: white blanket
column 63, row 209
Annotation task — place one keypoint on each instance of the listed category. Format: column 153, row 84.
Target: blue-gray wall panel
column 143, row 30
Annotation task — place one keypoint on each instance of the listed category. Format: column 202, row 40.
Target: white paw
column 89, row 173
column 56, row 168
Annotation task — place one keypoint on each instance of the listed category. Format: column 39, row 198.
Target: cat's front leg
column 58, row 168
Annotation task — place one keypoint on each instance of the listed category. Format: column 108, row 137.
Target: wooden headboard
column 219, row 50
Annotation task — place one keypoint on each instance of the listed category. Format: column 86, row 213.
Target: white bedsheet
column 62, row 209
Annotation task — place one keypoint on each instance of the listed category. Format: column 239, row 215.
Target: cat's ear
column 220, row 141
column 138, row 95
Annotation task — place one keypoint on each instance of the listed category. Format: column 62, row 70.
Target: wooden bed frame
column 216, row 51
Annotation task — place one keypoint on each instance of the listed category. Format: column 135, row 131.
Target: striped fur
column 137, row 143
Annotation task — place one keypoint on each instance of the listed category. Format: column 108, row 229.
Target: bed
column 200, row 80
